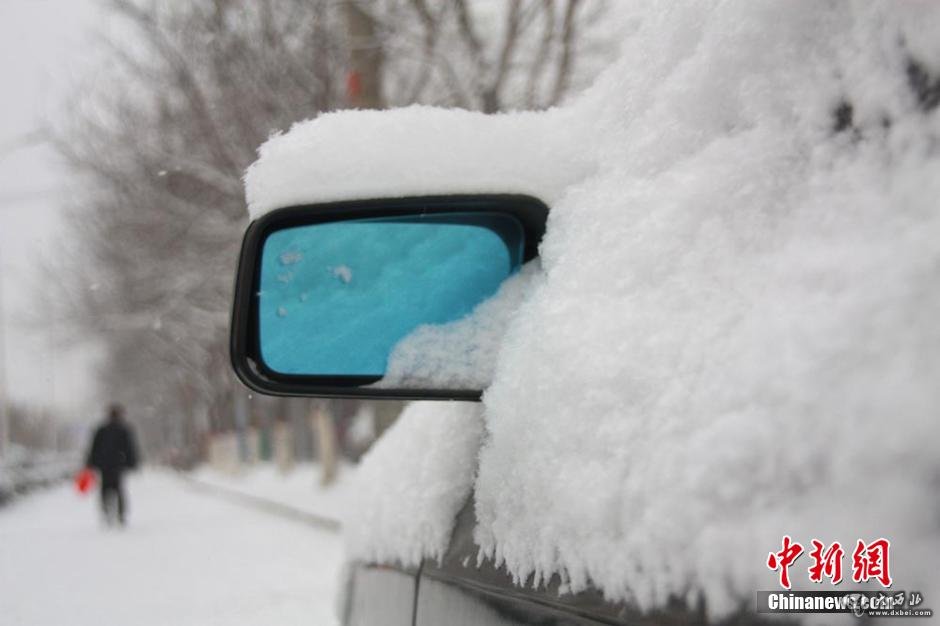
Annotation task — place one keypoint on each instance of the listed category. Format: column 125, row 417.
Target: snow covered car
column 726, row 336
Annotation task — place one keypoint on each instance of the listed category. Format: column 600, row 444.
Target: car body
column 706, row 317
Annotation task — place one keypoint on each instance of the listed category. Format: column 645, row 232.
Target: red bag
column 85, row 480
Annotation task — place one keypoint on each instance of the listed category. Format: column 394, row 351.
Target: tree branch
column 563, row 75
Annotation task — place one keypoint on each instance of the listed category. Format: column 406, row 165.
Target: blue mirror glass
column 335, row 298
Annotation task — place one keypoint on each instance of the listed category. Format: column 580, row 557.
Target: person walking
column 113, row 451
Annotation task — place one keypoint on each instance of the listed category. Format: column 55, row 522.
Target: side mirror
column 377, row 298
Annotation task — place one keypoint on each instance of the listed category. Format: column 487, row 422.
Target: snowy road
column 186, row 558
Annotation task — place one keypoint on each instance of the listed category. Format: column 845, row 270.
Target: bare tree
column 518, row 54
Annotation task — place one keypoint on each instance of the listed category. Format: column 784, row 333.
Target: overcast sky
column 45, row 45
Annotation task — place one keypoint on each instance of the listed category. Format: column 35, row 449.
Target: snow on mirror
column 388, row 301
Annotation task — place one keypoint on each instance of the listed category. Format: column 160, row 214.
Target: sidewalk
column 185, row 559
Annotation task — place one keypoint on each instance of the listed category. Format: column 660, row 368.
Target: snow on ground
column 185, row 558
column 298, row 488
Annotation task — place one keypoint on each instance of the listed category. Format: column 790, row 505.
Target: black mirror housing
column 324, row 293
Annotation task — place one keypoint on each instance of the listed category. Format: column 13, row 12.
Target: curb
column 261, row 504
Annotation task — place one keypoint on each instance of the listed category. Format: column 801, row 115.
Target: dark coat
column 113, row 449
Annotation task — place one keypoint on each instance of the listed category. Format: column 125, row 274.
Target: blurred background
column 125, row 128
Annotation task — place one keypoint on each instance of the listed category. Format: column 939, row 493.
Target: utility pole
column 4, row 416
column 50, row 340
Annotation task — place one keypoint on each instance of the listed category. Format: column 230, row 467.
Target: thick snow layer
column 735, row 332
column 412, row 482
column 414, row 151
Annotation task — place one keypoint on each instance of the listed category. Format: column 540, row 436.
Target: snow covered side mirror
column 377, row 298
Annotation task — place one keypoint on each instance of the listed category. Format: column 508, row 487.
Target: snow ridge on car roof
column 414, row 151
